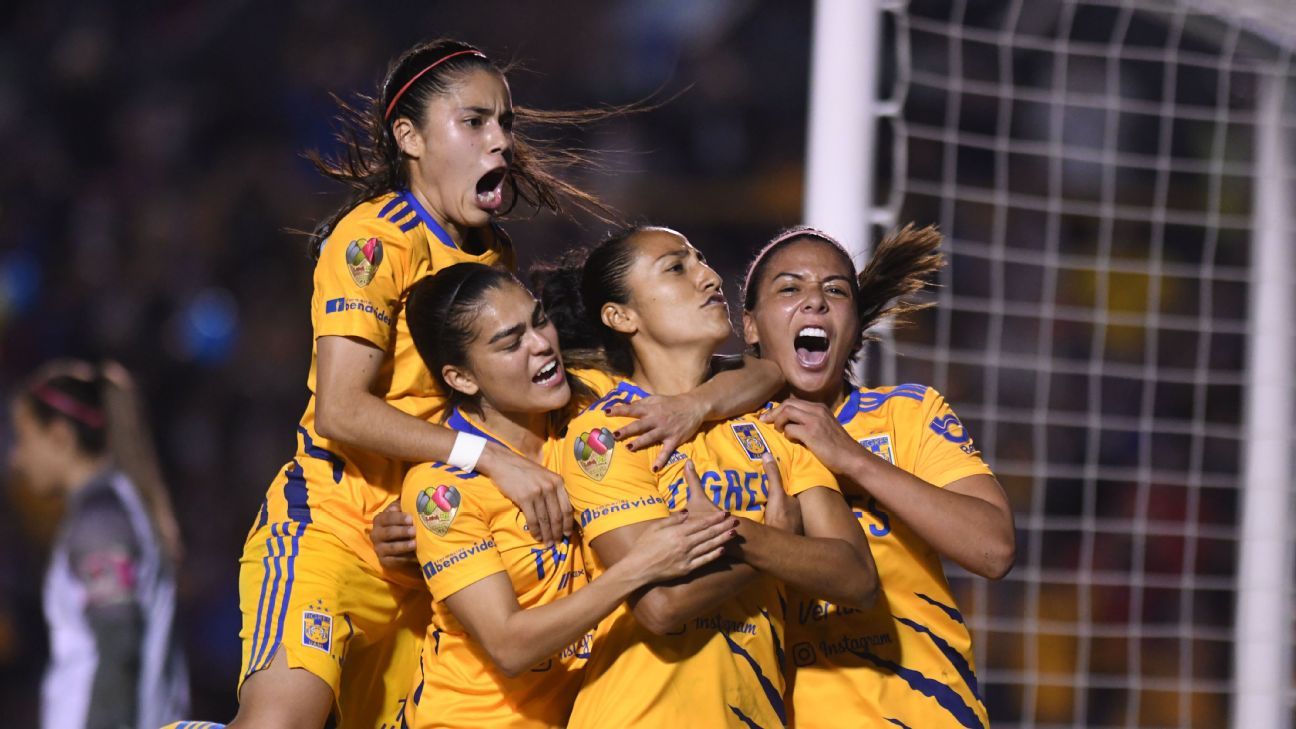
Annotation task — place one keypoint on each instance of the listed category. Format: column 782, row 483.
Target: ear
column 408, row 138
column 460, row 380
column 619, row 318
column 750, row 334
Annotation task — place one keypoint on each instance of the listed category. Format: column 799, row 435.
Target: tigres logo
column 751, row 440
column 317, row 630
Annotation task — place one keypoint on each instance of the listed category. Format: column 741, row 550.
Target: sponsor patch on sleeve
column 594, row 449
column 363, row 256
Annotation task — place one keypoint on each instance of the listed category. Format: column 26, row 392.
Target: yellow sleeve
column 804, row 472
column 455, row 547
column 945, row 451
column 360, row 277
column 609, row 486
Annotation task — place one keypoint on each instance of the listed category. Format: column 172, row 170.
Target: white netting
column 1092, row 166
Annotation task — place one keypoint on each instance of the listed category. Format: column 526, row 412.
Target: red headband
column 417, row 76
column 67, row 405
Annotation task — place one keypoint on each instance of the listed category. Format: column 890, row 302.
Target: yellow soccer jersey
column 722, row 669
column 362, row 279
column 908, row 660
column 468, row 530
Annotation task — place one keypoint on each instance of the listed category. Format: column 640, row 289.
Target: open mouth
column 715, row 299
column 490, row 189
column 548, row 375
column 811, row 344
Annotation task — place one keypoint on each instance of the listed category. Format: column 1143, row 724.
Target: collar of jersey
column 850, row 408
column 460, row 422
column 412, row 200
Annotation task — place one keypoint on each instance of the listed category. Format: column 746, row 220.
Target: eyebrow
column 678, row 254
column 486, row 110
column 515, row 330
column 800, row 277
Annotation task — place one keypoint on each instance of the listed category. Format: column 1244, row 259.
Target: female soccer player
column 706, row 650
column 912, row 475
column 510, row 624
column 429, row 165
column 110, row 588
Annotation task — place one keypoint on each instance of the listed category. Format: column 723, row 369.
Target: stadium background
column 154, row 181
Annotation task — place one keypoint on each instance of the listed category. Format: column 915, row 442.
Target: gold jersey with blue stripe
column 908, row 661
column 722, row 669
column 374, row 254
column 467, row 530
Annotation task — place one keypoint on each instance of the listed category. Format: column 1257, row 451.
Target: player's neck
column 672, row 371
column 456, row 232
column 526, row 432
column 832, row 396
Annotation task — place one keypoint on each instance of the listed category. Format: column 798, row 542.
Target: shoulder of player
column 889, row 397
column 474, row 488
column 377, row 218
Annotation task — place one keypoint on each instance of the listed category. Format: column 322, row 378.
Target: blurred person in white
column 109, row 594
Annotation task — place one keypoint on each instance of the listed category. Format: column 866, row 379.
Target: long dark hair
column 901, row 265
column 441, row 310
column 102, row 406
column 372, row 164
column 573, row 292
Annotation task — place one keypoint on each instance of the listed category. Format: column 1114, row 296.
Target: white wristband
column 467, row 449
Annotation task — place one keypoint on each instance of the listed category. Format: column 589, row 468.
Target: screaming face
column 804, row 317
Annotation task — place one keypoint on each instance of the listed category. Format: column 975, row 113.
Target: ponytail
column 574, row 291
column 901, row 265
column 131, row 445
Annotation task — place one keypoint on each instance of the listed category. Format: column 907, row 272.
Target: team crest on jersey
column 751, row 440
column 437, row 507
column 317, row 630
column 880, row 446
column 594, row 450
column 363, row 258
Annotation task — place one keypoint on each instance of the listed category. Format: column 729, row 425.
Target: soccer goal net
column 1115, row 183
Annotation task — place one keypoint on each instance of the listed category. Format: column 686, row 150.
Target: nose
column 710, row 280
column 500, row 140
column 538, row 344
column 814, row 300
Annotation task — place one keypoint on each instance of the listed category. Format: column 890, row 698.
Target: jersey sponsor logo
column 317, row 630
column 879, row 445
column 437, row 508
column 339, row 305
column 594, row 449
column 751, row 440
column 818, row 610
column 675, row 457
column 590, row 515
column 363, row 258
column 108, row 575
column 949, row 428
column 440, row 565
column 722, row 624
column 803, row 654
